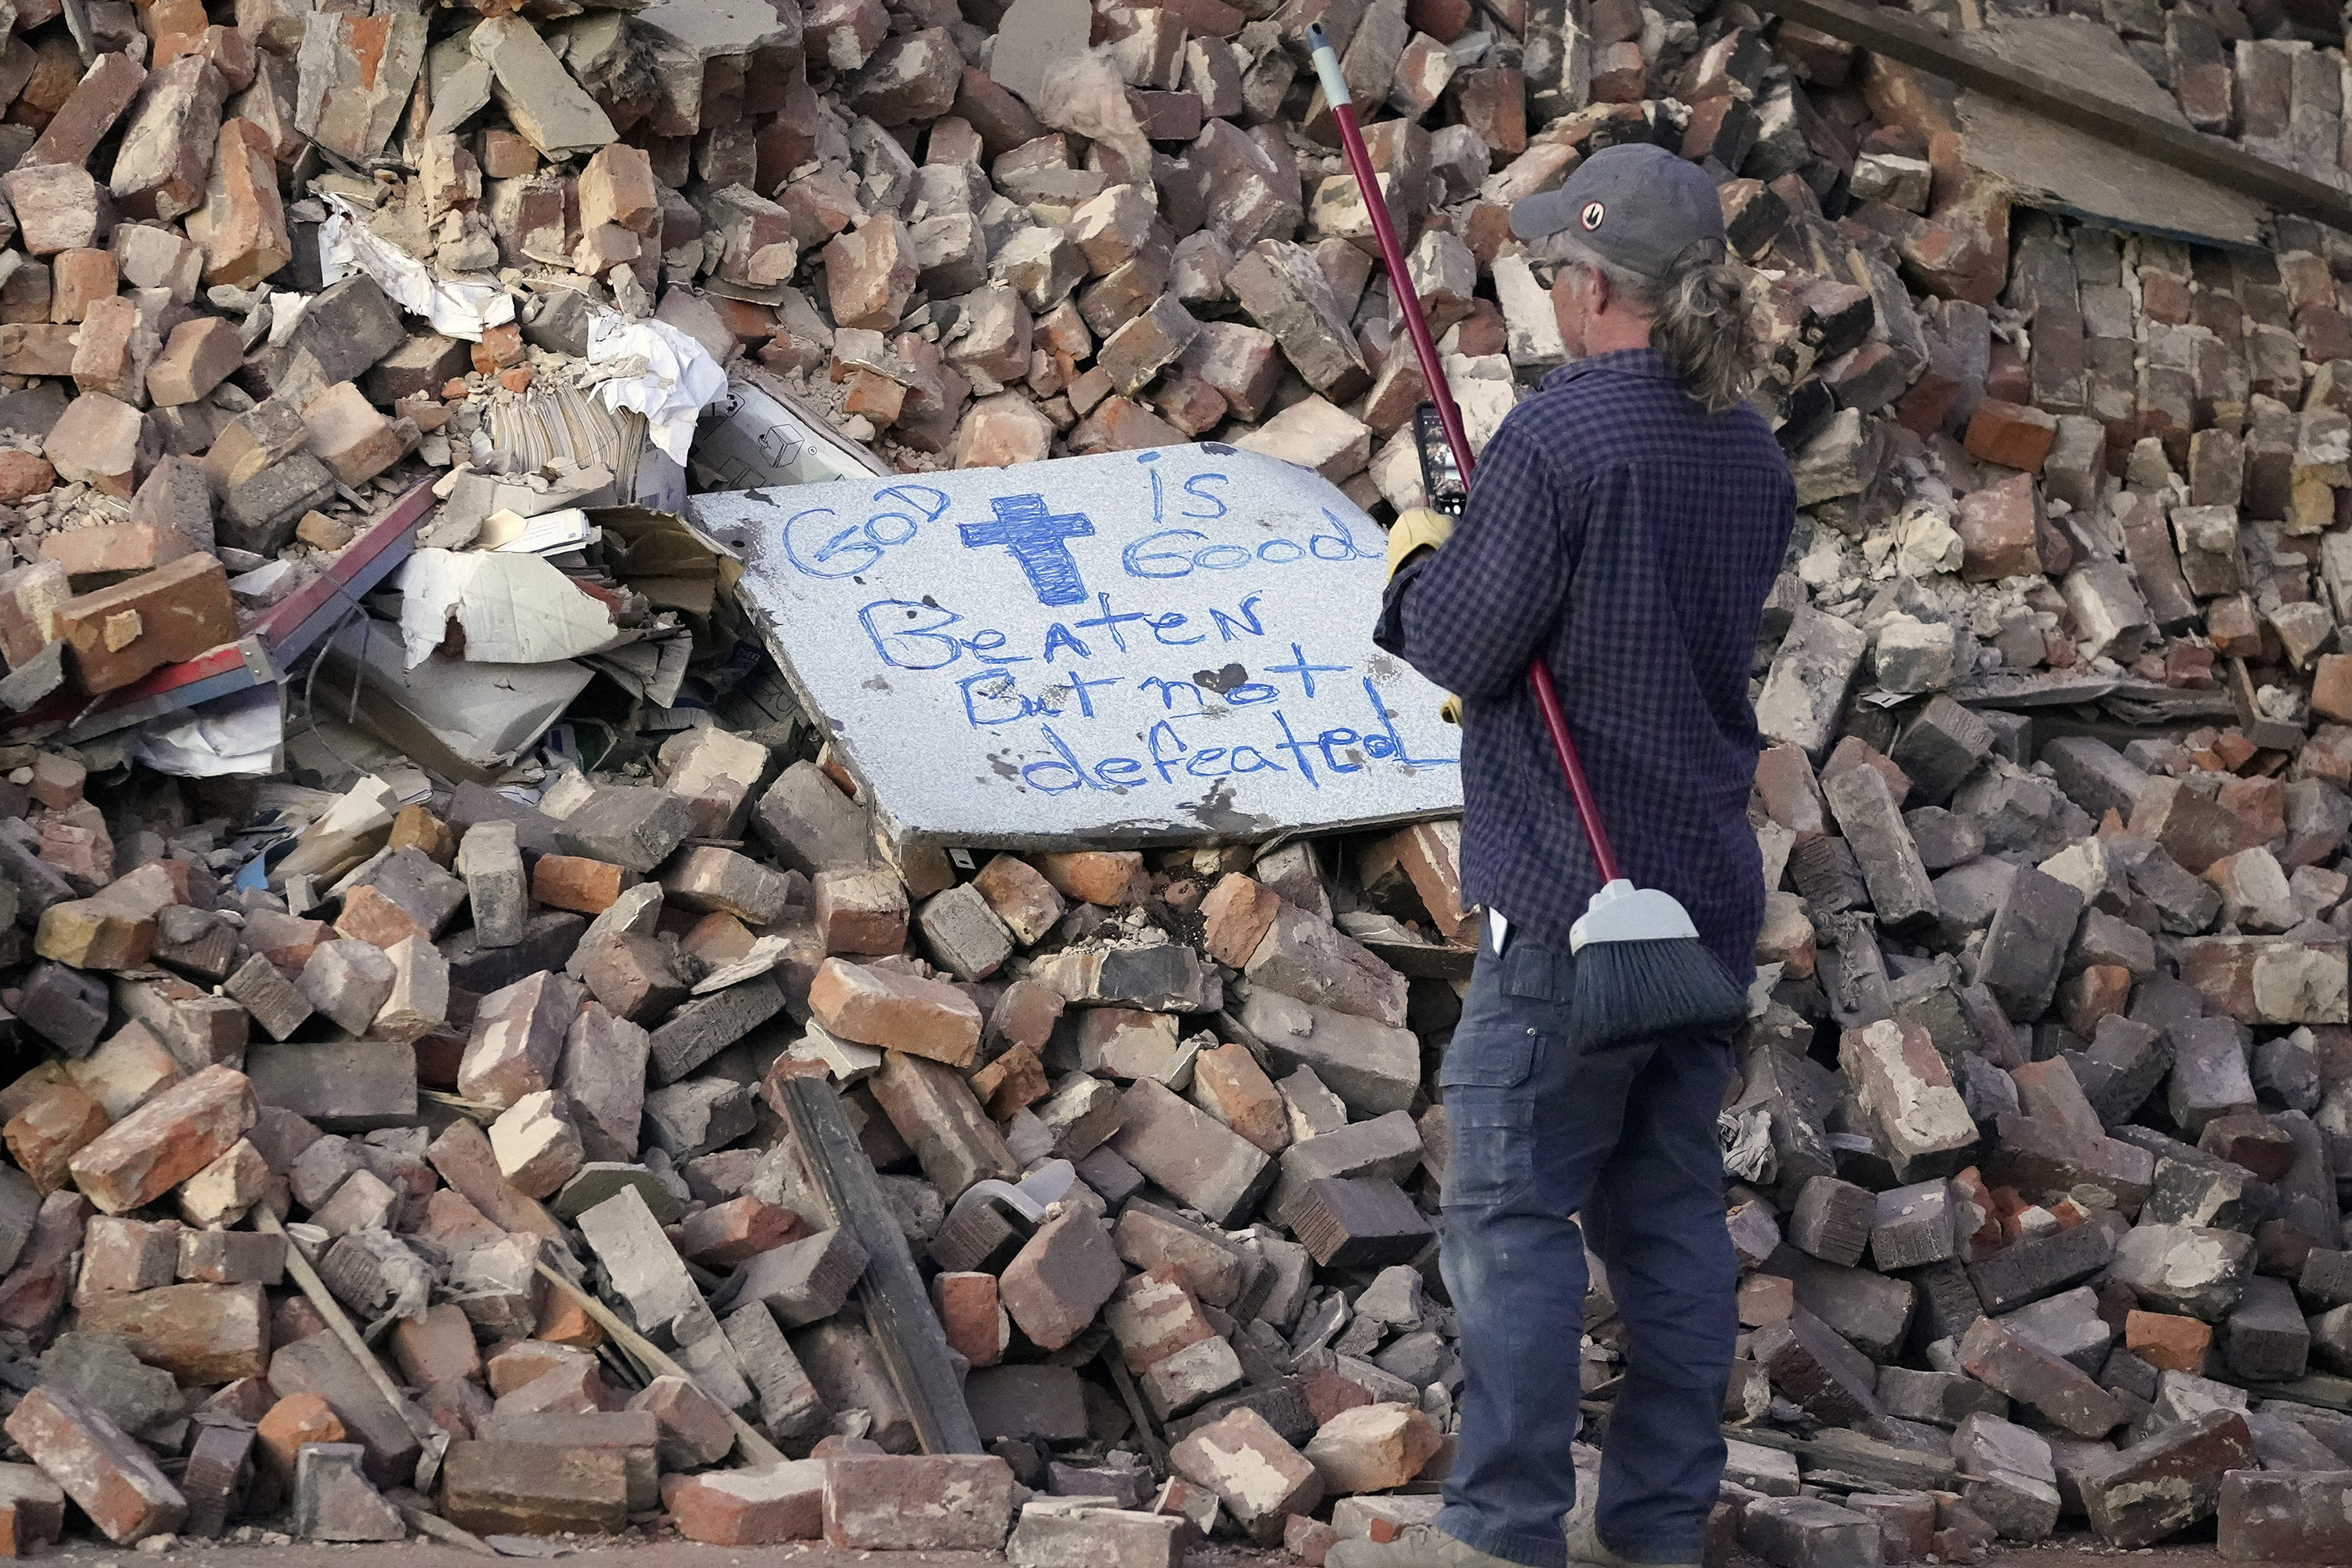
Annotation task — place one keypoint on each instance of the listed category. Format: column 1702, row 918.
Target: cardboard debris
column 455, row 719
column 509, row 608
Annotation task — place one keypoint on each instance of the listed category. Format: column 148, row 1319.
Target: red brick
column 2331, row 687
column 1107, row 877
column 632, row 976
column 969, row 1312
column 1014, row 1079
column 2286, row 1518
column 165, row 1140
column 727, row 1234
column 48, row 1132
column 693, row 1427
column 756, row 1507
column 245, row 237
column 109, row 1476
column 78, row 279
column 1376, row 1447
column 204, row 1335
column 1152, row 1317
column 1494, row 102
column 124, row 1255
column 1229, row 1084
column 2013, row 435
column 1027, row 903
column 574, row 882
column 1061, row 1278
column 2168, row 1342
column 1261, row 1479
column 1025, row 1014
column 861, row 912
column 876, row 1006
column 1999, row 530
column 2168, row 1481
column 114, row 548
column 297, row 1419
column 165, row 617
column 437, row 1347
column 24, row 475
column 1238, row 913
column 96, row 102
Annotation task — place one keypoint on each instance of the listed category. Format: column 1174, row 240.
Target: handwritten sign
column 1172, row 645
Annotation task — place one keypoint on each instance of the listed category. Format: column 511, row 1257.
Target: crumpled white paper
column 679, row 380
column 461, row 306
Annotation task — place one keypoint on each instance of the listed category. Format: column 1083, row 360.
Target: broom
column 1642, row 973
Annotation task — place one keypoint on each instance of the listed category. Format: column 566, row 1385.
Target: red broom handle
column 1588, row 810
column 1416, row 326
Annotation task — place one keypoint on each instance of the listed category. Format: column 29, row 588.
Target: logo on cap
column 1591, row 215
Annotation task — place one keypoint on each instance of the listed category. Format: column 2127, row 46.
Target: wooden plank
column 1900, row 37
column 2319, row 1388
column 432, row 1441
column 1155, row 1447
column 2075, row 173
column 2268, row 733
column 756, row 1449
column 897, row 1308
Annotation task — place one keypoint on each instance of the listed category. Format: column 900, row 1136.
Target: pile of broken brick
column 1151, row 1129
column 2040, row 1126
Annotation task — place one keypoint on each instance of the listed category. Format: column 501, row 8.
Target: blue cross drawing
column 1028, row 526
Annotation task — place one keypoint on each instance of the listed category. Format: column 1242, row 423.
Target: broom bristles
column 1633, row 993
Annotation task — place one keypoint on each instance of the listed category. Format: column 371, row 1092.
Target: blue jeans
column 1625, row 1139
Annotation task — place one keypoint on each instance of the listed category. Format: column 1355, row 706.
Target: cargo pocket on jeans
column 1489, row 1120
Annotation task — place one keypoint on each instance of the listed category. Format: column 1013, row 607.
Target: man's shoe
column 1585, row 1549
column 1417, row 1546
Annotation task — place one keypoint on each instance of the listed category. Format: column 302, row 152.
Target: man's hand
column 1414, row 531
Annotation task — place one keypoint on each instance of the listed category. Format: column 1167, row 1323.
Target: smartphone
column 1440, row 477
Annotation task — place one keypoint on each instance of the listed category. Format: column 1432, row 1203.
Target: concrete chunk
column 541, row 97
column 928, row 1502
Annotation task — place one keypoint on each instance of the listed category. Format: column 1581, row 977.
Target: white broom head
column 1623, row 912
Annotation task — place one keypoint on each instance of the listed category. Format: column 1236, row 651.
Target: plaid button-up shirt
column 1631, row 536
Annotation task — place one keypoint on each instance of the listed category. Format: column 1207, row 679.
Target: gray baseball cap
column 1638, row 206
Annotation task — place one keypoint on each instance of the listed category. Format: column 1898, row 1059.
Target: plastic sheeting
column 239, row 733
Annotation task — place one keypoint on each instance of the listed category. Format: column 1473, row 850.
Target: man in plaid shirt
column 1625, row 523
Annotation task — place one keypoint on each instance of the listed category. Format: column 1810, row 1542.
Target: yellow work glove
column 1420, row 529
column 1423, row 529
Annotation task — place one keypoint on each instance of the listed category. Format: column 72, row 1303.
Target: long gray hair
column 1697, row 317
